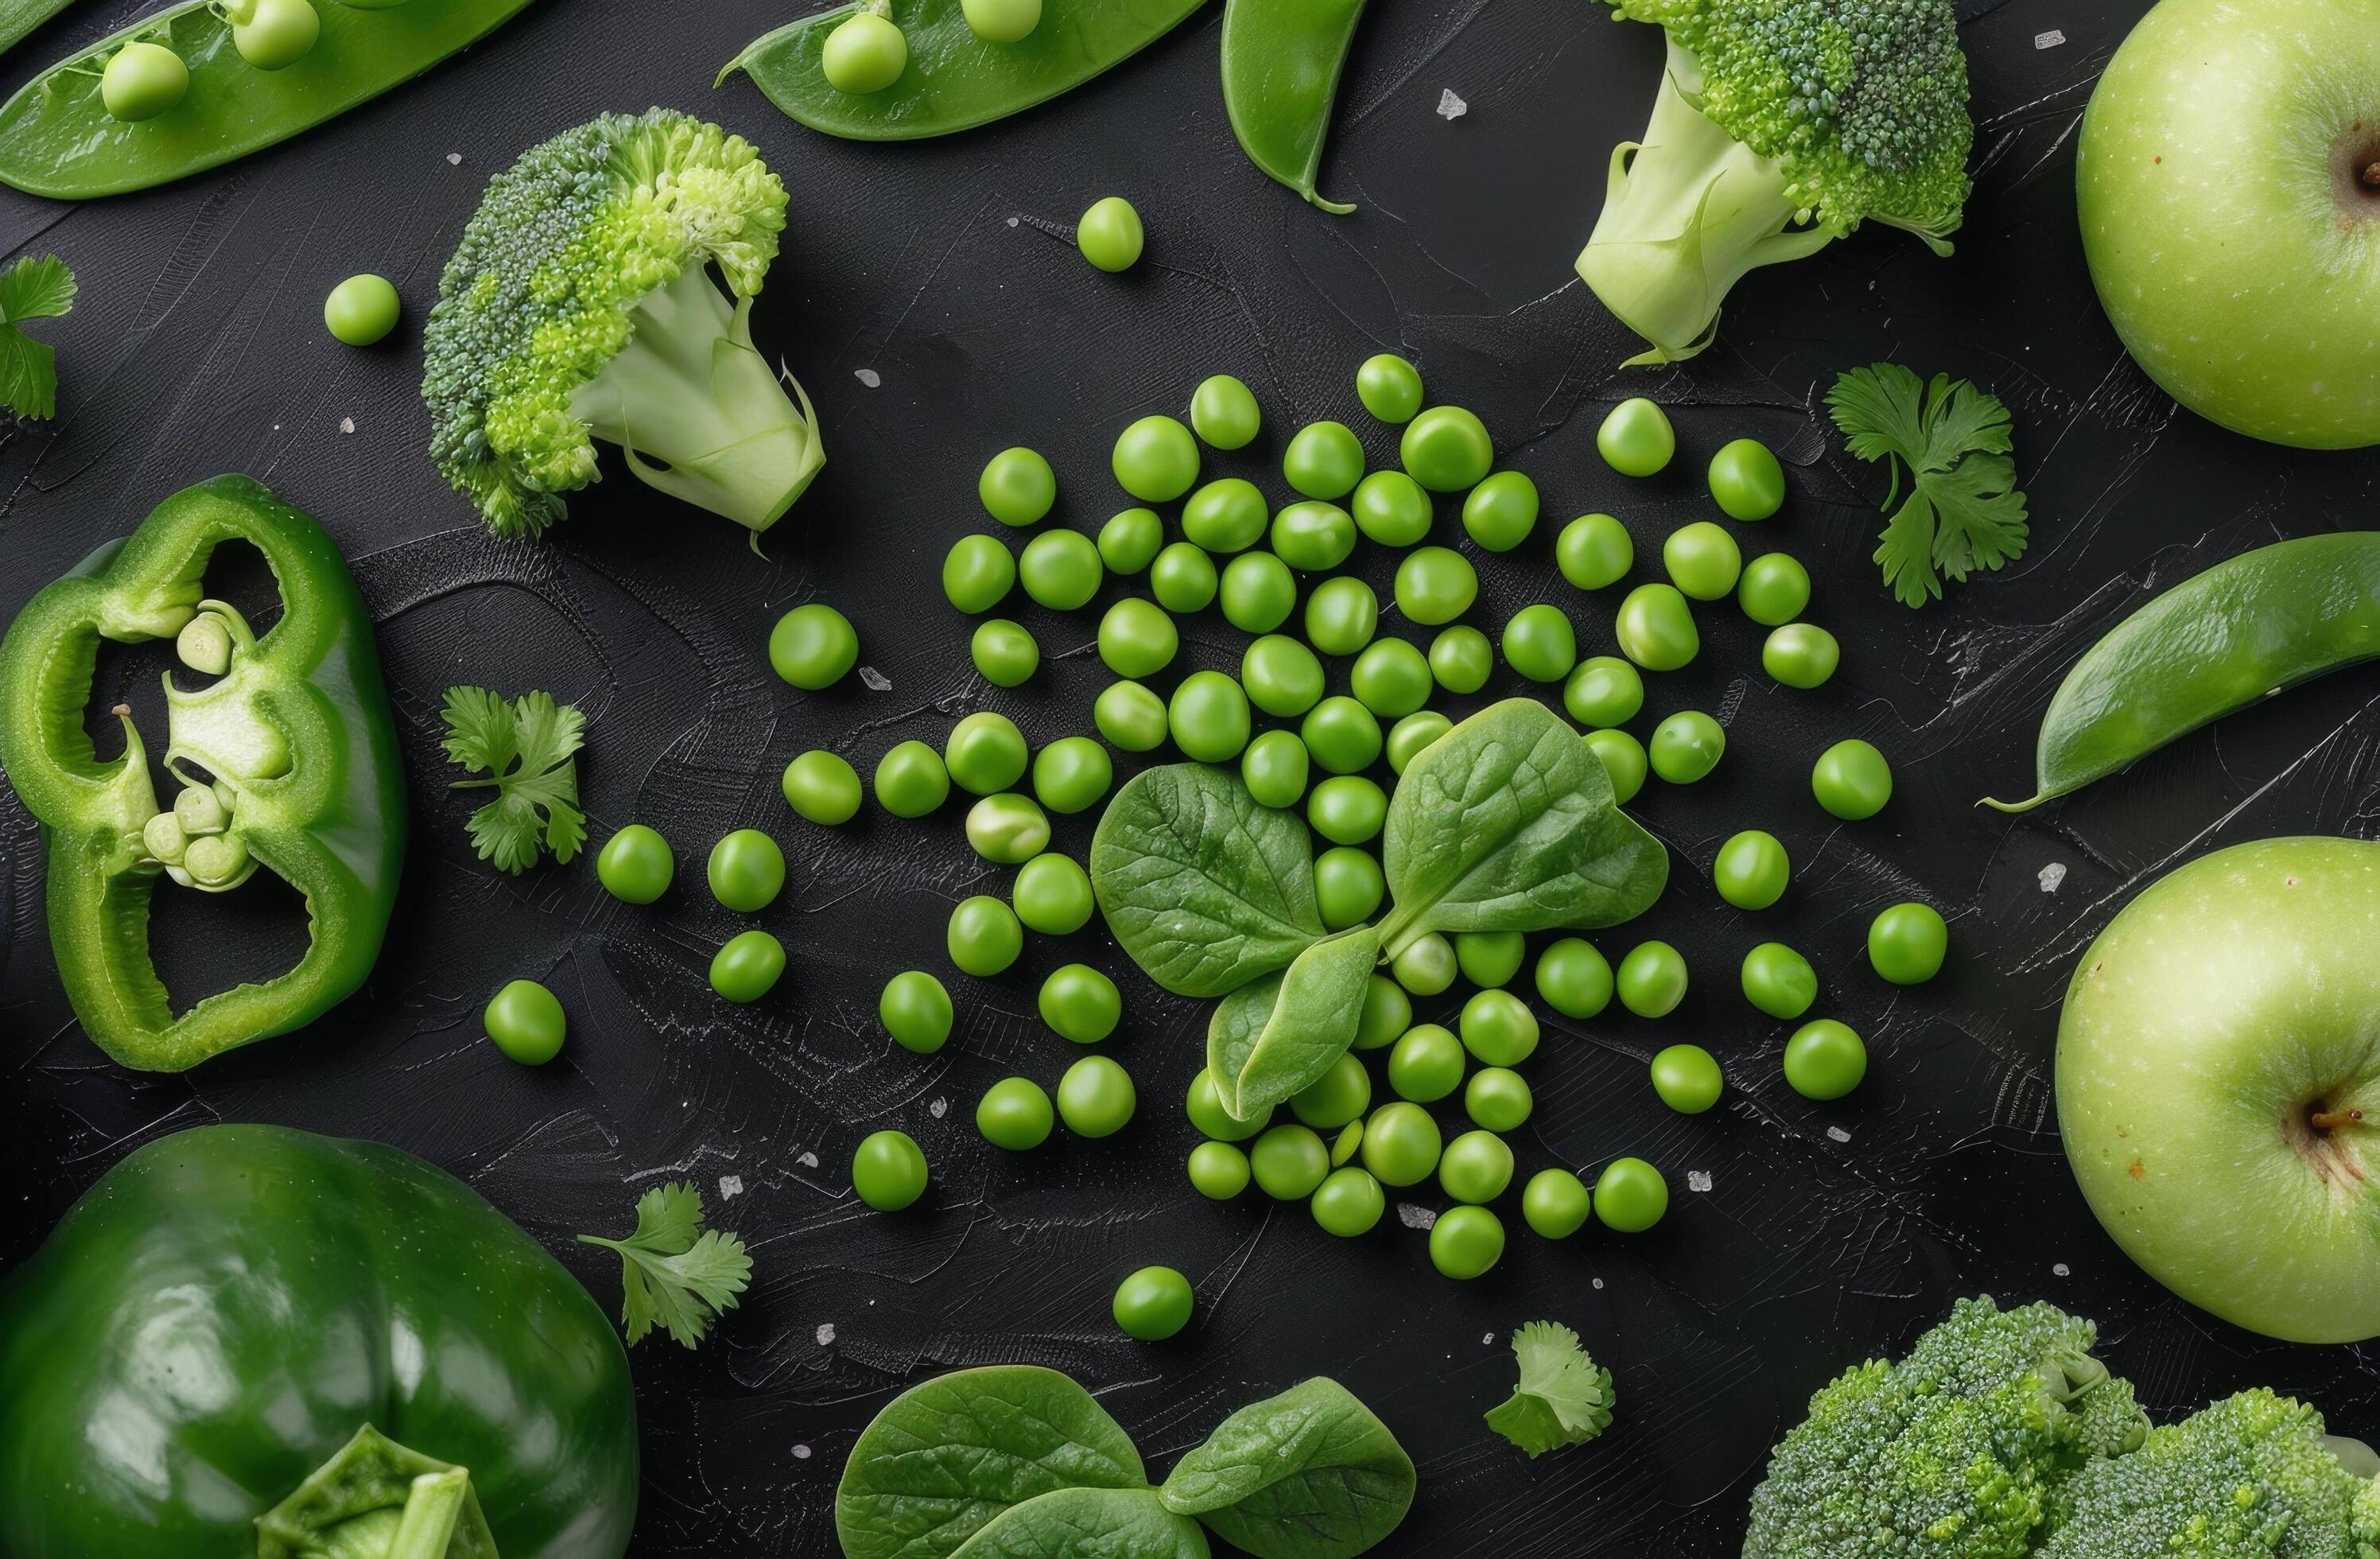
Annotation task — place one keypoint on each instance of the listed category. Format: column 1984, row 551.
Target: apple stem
column 2372, row 175
column 2331, row 1120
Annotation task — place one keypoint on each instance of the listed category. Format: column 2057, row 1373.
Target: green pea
column 1007, row 829
column 1411, row 736
column 1347, row 810
column 1323, row 460
column 1825, row 1059
column 1476, row 1166
column 1349, row 1202
column 1435, row 584
column 1131, row 716
column 1155, row 459
column 1603, row 691
column 1593, row 551
column 1800, row 655
column 526, row 1022
column 1338, row 1096
column 1400, row 1144
column 1751, row 870
column 984, row 752
column 1071, row 774
column 813, row 646
column 912, row 780
column 1224, row 411
column 1288, row 1162
column 1461, row 659
column 1556, row 1204
column 1182, row 579
column 1489, row 959
column 1314, row 536
column 1655, row 628
column 1631, row 1196
column 1623, row 758
column 866, row 53
column 1153, row 1304
column 1498, row 1028
column 1130, row 539
column 1746, row 480
column 141, row 81
column 1447, row 449
column 1258, row 592
column 1005, row 652
column 1385, row 1016
column 1342, row 735
column 976, row 573
column 1390, row 678
column 1111, row 236
column 984, row 936
column 1703, row 560
column 888, row 1170
column 822, row 788
column 1219, row 1171
column 1061, row 569
column 746, row 871
column 277, row 33
column 1002, row 22
column 1205, row 1107
column 747, row 966
column 1652, row 980
column 1573, row 978
column 1687, row 1079
column 1017, row 486
column 1274, row 769
column 1497, row 1099
column 1501, row 511
column 1635, row 438
column 361, row 309
column 1686, row 747
column 1080, row 1004
column 1466, row 1242
column 1540, row 644
column 1348, row 887
column 1425, row 965
column 1851, row 780
column 1340, row 615
column 1427, row 1064
column 1136, row 638
column 635, row 865
column 1209, row 717
column 1095, row 1097
column 1389, row 386
column 1052, row 894
column 1907, row 944
column 1014, row 1114
column 1779, row 981
column 916, row 1010
column 1226, row 515
column 1774, row 589
column 1391, row 508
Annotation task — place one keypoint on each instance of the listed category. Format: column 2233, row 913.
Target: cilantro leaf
column 672, row 1276
column 525, row 747
column 31, row 289
column 1963, row 512
column 1563, row 1398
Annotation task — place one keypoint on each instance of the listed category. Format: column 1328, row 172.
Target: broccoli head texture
column 581, row 304
column 1779, row 126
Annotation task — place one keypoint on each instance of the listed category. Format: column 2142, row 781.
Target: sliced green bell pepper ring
column 289, row 760
column 246, row 1342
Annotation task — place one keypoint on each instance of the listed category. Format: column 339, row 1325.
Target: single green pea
column 1825, row 1060
column 1347, row 1145
column 1391, row 508
column 1476, row 1166
column 888, row 1170
column 1205, row 1108
column 912, row 780
column 1288, row 1162
column 1015, row 1114
column 1631, row 1196
column 746, row 871
column 1338, row 1096
column 1224, row 411
column 1410, row 736
column 361, row 309
column 1851, row 780
column 1226, row 515
column 1136, row 638
column 1348, row 887
column 1556, row 1204
column 1314, row 536
column 916, row 1010
column 1095, row 1097
column 1281, row 676
column 1573, row 978
column 1635, row 438
column 1349, row 1202
column 1005, row 652
column 1002, row 22
column 747, row 966
column 1347, row 810
column 1258, row 592
column 1131, row 716
column 1342, row 735
column 1389, row 386
column 1435, row 584
column 1686, row 747
column 1779, row 981
column 821, row 786
column 1466, row 1242
column 1427, row 1064
column 866, row 53
column 1703, row 560
column 1390, row 678
column 1426, row 965
column 1593, row 551
column 1209, row 717
column 1655, row 628
column 1017, row 487
column 1490, row 959
column 813, row 646
column 1080, row 1004
column 1155, row 459
column 276, row 33
column 1752, row 869
column 526, row 1022
column 1497, row 1099
column 1219, row 1171
column 1540, row 644
column 1184, row 579
column 1774, row 589
column 1385, row 1016
column 1323, row 460
column 984, row 936
column 1501, row 511
column 1071, row 774
column 1061, row 569
column 141, row 81
column 1447, row 449
column 1907, row 944
column 1623, row 758
column 635, row 865
column 984, row 752
column 1400, row 1144
column 976, row 573
column 1340, row 615
column 1746, row 480
column 1007, row 829
column 1130, row 539
column 1274, row 768
column 1052, row 894
column 1499, row 1028
column 1687, row 1079
column 1603, row 691
column 1461, row 659
column 1651, row 979
column 1111, row 236
column 1800, row 655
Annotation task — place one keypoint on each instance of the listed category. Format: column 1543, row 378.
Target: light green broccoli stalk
column 1953, row 1453
column 1780, row 125
column 580, row 305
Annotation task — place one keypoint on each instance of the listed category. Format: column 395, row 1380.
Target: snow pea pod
column 57, row 139
column 955, row 81
column 2220, row 641
column 1281, row 74
column 20, row 18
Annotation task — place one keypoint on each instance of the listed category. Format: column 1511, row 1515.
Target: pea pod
column 20, row 18
column 1281, row 74
column 57, row 139
column 2220, row 641
column 955, row 81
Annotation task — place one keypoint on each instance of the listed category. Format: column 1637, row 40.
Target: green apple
column 2218, row 1085
column 2228, row 176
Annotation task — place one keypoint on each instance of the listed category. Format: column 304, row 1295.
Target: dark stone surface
column 930, row 297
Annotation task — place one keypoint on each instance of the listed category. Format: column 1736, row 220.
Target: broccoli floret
column 1780, row 125
column 1950, row 1453
column 2251, row 1477
column 580, row 305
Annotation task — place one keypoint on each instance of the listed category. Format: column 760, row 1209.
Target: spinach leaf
column 951, row 1456
column 1507, row 822
column 1088, row 1524
column 1269, row 1039
column 1309, row 1474
column 1204, row 885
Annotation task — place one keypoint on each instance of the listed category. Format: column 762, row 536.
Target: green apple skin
column 2226, row 215
column 2223, row 1009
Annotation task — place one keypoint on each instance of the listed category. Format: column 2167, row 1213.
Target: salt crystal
column 867, row 376
column 1451, row 106
column 876, row 681
column 1839, row 1134
column 347, row 424
column 2051, row 875
column 808, row 1160
column 801, row 1453
column 1698, row 1180
column 1414, row 1217
column 454, row 159
column 2060, row 1268
column 2048, row 39
column 1487, row 1338
column 730, row 1187
column 826, row 1333
column 1012, row 222
column 1598, row 1283
column 939, row 1108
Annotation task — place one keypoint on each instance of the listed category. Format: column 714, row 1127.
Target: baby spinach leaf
column 1270, row 1039
column 1204, row 885
column 1309, row 1474
column 1088, row 1524
column 946, row 1459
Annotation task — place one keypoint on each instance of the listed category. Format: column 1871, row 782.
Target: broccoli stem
column 700, row 411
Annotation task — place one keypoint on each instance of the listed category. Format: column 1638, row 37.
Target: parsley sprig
column 525, row 746
column 1563, row 1398
column 671, row 1275
column 31, row 289
column 1962, row 511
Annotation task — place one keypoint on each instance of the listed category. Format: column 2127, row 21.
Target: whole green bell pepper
column 288, row 761
column 252, row 1343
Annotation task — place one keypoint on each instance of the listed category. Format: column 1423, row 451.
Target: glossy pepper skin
column 228, row 1306
column 295, row 740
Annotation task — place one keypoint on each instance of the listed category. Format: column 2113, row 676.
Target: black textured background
column 930, row 298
